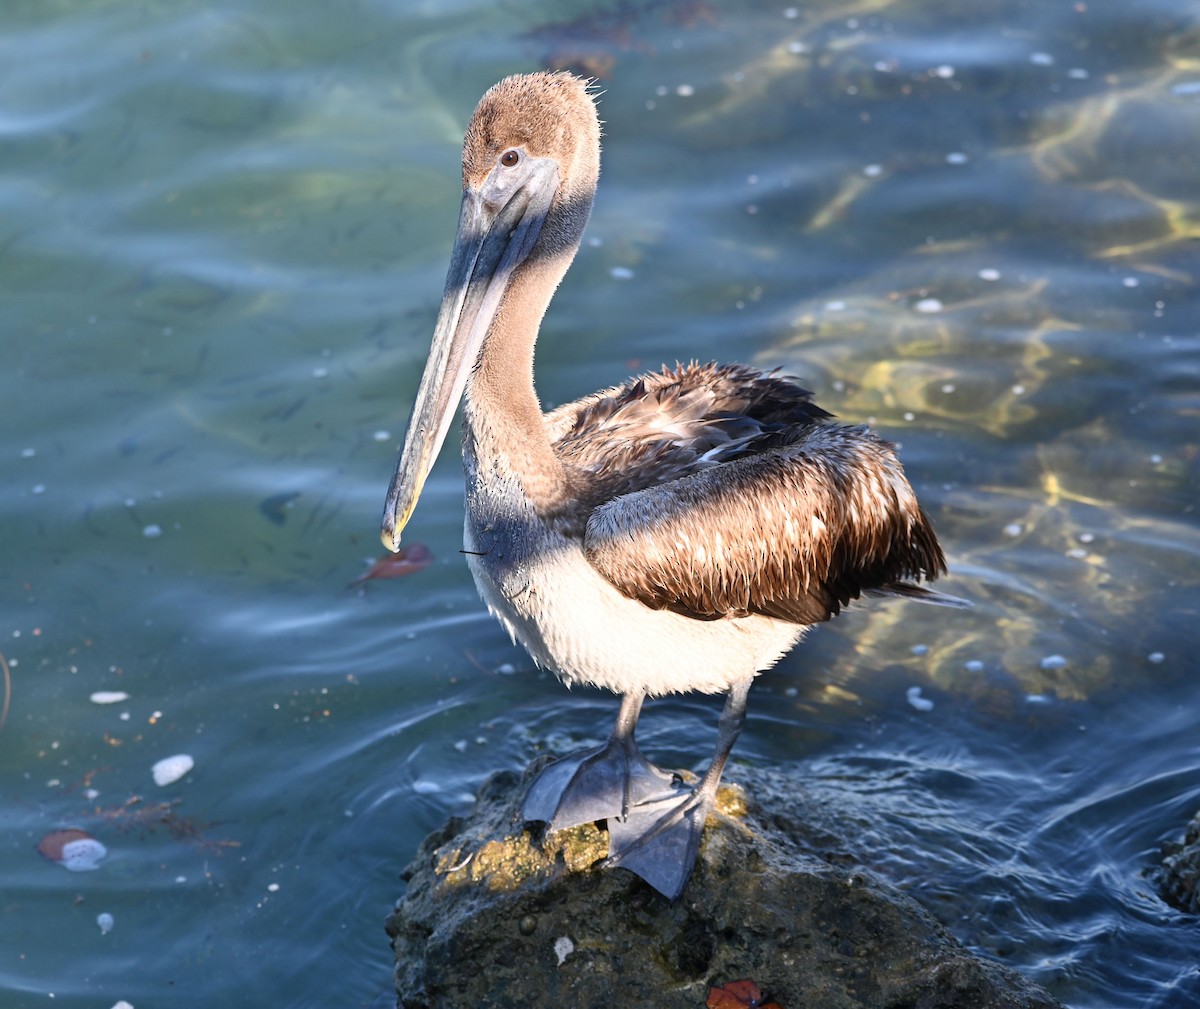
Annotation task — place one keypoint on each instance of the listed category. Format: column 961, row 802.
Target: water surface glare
column 223, row 234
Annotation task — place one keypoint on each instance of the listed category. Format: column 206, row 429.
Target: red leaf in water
column 413, row 558
column 51, row 846
column 743, row 994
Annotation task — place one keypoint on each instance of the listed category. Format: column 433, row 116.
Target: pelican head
column 531, row 159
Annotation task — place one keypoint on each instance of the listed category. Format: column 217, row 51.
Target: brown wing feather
column 794, row 530
column 664, row 426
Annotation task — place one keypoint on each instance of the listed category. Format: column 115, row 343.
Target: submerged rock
column 497, row 915
column 1180, row 878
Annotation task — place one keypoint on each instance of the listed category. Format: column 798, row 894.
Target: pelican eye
column 510, row 158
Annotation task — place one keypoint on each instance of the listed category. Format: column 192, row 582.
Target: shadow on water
column 223, row 233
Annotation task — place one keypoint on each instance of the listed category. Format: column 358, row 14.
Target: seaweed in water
column 147, row 818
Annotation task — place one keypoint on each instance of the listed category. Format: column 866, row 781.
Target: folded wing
column 805, row 519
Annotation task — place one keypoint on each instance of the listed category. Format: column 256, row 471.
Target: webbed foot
column 660, row 841
column 654, row 826
column 595, row 785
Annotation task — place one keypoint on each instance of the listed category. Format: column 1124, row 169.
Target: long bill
column 498, row 226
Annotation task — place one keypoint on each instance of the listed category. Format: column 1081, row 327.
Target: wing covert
column 795, row 531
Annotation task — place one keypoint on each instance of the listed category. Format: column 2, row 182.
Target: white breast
column 574, row 622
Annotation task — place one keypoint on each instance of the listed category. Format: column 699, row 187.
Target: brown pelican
column 679, row 532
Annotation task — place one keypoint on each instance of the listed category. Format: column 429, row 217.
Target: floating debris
column 621, row 273
column 1014, row 529
column 919, row 649
column 170, row 769
column 917, row 701
column 108, row 697
column 275, row 507
column 928, row 306
column 1155, row 657
column 407, row 561
column 136, row 815
column 73, row 849
column 105, row 921
column 6, row 675
column 988, row 273
column 152, row 531
column 973, row 666
column 1052, row 662
column 957, row 158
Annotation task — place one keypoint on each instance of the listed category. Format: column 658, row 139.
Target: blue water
column 223, row 233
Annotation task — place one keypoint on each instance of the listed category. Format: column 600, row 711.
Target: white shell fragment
column 170, row 769
column 563, row 948
column 917, row 701
column 105, row 921
column 83, row 855
column 108, row 697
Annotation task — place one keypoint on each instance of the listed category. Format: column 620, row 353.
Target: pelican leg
column 600, row 783
column 658, row 840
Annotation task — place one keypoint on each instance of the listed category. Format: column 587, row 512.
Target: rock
column 497, row 915
column 1180, row 876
